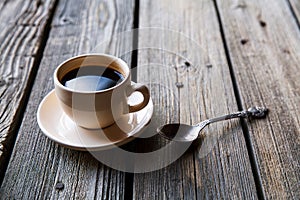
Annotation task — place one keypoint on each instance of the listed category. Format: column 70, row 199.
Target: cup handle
column 143, row 89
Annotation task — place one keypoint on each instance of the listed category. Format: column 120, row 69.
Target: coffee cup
column 93, row 90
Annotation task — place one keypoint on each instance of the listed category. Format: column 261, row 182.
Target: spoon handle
column 253, row 112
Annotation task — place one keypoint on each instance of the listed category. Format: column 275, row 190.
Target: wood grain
column 38, row 164
column 22, row 26
column 186, row 68
column 267, row 71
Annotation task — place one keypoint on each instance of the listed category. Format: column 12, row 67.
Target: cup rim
column 114, row 58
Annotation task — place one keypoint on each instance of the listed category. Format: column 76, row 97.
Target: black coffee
column 92, row 78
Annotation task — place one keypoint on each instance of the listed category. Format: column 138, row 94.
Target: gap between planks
column 293, row 11
column 129, row 177
column 252, row 158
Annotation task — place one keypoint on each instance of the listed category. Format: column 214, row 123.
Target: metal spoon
column 188, row 133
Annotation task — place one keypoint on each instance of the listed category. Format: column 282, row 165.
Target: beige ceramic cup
column 102, row 108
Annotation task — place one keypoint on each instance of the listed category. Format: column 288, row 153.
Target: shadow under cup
column 100, row 106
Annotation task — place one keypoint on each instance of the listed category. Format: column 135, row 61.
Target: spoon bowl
column 179, row 132
column 188, row 133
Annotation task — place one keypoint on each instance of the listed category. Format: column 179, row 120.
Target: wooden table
column 249, row 55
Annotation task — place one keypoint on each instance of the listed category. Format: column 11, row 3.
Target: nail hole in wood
column 179, row 84
column 262, row 23
column 59, row 186
column 286, row 51
column 187, row 64
column 244, row 41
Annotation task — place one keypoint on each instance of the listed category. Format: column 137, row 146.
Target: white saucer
column 56, row 125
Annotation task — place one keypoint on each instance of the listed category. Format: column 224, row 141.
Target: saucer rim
column 110, row 145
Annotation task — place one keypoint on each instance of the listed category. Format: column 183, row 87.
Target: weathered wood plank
column 22, row 26
column 38, row 164
column 219, row 168
column 266, row 66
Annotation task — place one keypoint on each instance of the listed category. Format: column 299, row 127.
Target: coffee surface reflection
column 92, row 78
